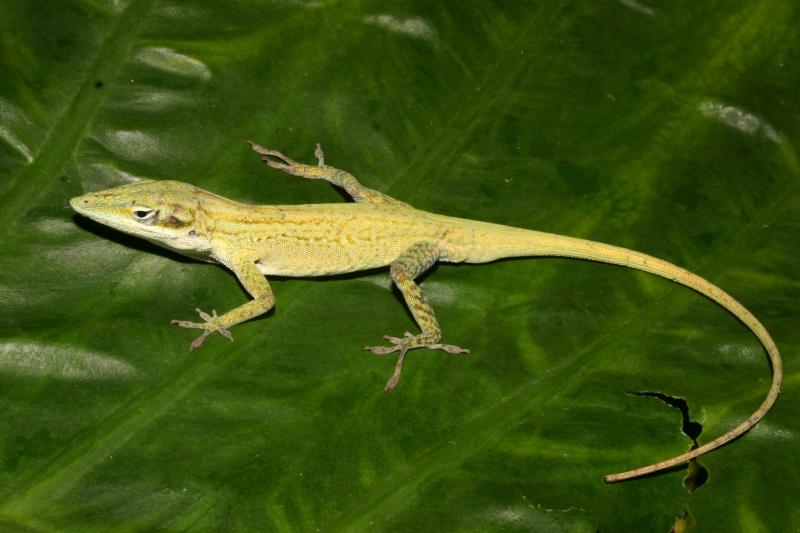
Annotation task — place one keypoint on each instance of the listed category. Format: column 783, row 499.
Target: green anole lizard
column 374, row 231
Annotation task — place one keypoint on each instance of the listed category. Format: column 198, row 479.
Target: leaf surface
column 666, row 127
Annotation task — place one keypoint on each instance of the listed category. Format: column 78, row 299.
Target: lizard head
column 160, row 211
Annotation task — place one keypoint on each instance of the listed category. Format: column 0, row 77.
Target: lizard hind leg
column 411, row 263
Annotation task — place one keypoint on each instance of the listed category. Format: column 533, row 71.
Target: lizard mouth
column 76, row 202
column 82, row 204
column 91, row 207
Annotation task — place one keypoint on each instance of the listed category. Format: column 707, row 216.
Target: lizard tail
column 519, row 243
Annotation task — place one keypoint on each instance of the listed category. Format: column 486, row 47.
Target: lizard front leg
column 255, row 284
column 404, row 269
column 340, row 178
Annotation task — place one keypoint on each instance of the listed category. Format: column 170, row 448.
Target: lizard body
column 375, row 231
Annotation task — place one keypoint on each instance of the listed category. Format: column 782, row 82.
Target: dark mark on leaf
column 682, row 523
column 697, row 474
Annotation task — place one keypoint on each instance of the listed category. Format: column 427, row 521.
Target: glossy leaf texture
column 667, row 127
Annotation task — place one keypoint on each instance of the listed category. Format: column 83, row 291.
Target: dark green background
column 671, row 127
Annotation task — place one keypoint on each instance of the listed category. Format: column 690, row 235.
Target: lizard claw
column 208, row 326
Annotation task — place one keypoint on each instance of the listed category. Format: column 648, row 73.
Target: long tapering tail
column 493, row 242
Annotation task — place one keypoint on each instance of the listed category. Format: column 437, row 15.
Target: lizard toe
column 381, row 350
column 187, row 324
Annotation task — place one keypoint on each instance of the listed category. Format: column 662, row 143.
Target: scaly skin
column 375, row 231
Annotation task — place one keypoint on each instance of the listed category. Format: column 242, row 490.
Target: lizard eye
column 144, row 214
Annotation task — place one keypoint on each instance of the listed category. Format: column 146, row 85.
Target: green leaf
column 667, row 127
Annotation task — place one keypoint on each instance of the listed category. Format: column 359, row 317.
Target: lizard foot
column 403, row 345
column 208, row 326
column 277, row 160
